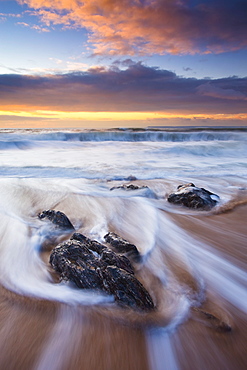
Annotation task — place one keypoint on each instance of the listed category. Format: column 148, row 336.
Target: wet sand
column 198, row 345
column 41, row 335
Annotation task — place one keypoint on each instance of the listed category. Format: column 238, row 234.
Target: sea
column 193, row 265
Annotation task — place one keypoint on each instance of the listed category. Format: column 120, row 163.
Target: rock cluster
column 91, row 265
column 191, row 196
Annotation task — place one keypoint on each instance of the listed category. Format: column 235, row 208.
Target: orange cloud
column 128, row 27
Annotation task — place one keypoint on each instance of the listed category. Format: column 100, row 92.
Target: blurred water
column 73, row 172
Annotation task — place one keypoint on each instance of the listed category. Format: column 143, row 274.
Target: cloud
column 208, row 89
column 187, row 69
column 33, row 27
column 138, row 88
column 130, row 27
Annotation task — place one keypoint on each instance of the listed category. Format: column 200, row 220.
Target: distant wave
column 18, row 138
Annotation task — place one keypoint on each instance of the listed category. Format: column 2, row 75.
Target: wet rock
column 93, row 245
column 90, row 265
column 121, row 245
column 129, row 187
column 131, row 178
column 126, row 289
column 191, row 196
column 112, row 259
column 57, row 218
column 106, row 256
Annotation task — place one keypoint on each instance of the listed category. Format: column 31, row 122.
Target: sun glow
column 116, row 116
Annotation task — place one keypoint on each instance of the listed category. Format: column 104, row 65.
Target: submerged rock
column 131, row 178
column 190, row 196
column 57, row 218
column 91, row 265
column 214, row 322
column 121, row 245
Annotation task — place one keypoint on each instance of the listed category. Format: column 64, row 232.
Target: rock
column 57, row 218
column 91, row 265
column 121, row 245
column 106, row 255
column 112, row 259
column 131, row 178
column 190, row 196
column 126, row 289
column 129, row 187
column 93, row 245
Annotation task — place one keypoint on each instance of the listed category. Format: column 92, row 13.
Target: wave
column 128, row 135
column 20, row 144
column 177, row 269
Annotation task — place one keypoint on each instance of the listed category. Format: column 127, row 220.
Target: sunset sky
column 128, row 63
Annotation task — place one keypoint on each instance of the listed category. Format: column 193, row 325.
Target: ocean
column 193, row 265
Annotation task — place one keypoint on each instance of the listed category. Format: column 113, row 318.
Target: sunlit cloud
column 129, row 27
column 135, row 94
column 5, row 15
column 33, row 27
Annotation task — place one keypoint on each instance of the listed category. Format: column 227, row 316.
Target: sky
column 123, row 63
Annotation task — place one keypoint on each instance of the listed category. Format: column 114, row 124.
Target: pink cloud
column 128, row 27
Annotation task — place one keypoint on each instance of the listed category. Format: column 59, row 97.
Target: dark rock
column 93, row 245
column 126, row 289
column 112, row 259
column 129, row 187
column 190, row 196
column 106, row 256
column 57, row 218
column 77, row 260
column 121, row 245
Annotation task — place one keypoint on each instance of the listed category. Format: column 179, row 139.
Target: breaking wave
column 129, row 135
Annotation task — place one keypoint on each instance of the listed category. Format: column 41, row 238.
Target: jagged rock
column 106, row 255
column 121, row 245
column 93, row 245
column 129, row 187
column 57, row 218
column 190, row 196
column 91, row 265
column 126, row 288
column 111, row 258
